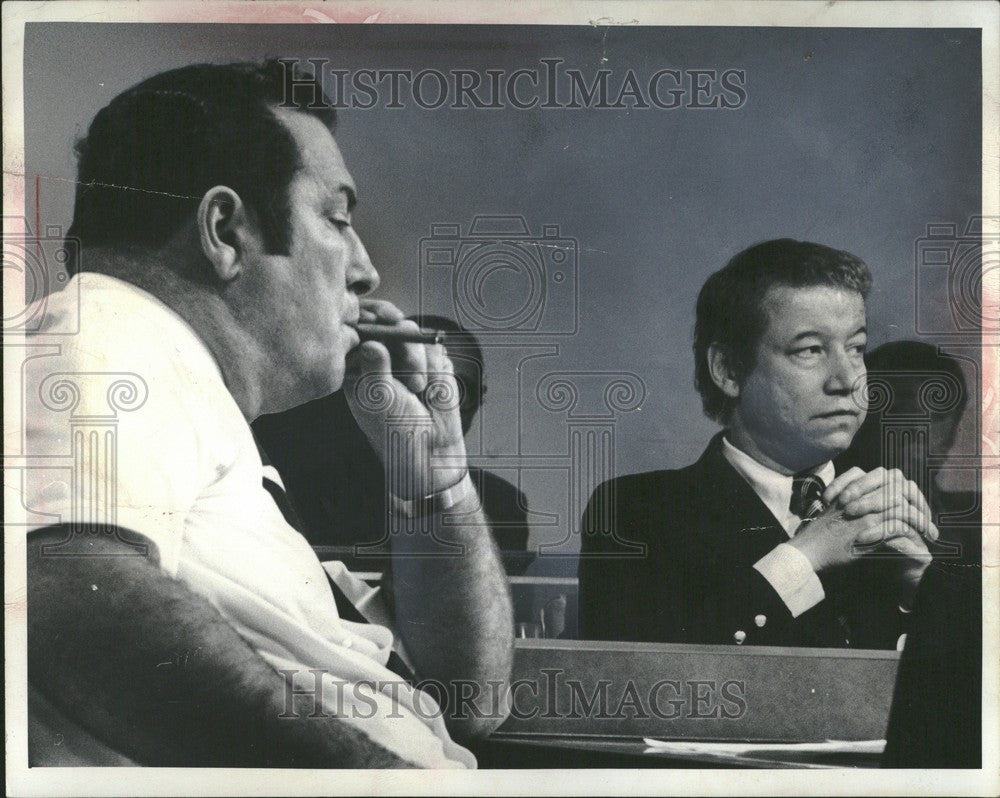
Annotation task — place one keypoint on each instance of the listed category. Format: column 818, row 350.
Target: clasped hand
column 405, row 399
column 877, row 509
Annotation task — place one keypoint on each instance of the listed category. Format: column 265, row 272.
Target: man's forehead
column 319, row 152
column 791, row 310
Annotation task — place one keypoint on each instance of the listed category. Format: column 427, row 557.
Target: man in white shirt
column 222, row 279
column 759, row 542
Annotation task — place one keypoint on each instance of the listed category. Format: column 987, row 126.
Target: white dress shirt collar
column 774, row 489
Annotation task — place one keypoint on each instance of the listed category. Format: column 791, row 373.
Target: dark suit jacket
column 700, row 530
column 505, row 506
column 936, row 718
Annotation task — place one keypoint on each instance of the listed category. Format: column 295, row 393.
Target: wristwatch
column 438, row 502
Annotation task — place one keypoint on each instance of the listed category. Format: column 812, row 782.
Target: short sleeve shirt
column 129, row 418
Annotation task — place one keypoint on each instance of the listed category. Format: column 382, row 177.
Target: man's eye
column 340, row 219
column 808, row 351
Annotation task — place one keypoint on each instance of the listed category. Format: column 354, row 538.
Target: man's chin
column 832, row 445
column 326, row 386
column 318, row 388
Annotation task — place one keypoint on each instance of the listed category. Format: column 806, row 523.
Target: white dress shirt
column 785, row 567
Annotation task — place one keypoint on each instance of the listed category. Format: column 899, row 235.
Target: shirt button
column 739, row 637
column 760, row 620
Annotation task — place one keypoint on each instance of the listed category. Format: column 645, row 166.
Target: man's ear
column 722, row 371
column 223, row 225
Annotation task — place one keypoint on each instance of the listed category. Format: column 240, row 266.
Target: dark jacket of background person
column 918, row 398
column 936, row 717
column 341, row 499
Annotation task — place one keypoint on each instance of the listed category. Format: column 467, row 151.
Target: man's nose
column 843, row 373
column 362, row 276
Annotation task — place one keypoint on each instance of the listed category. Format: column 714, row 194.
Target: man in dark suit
column 759, row 542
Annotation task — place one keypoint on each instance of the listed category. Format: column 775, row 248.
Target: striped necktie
column 807, row 503
column 807, row 496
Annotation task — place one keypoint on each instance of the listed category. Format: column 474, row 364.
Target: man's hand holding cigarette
column 403, row 393
column 451, row 603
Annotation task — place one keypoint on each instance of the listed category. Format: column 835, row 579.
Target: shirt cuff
column 791, row 575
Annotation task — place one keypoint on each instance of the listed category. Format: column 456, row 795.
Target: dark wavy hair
column 731, row 313
column 152, row 152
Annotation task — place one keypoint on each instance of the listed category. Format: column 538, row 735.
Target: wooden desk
column 589, row 704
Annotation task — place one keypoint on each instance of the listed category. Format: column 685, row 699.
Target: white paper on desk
column 737, row 749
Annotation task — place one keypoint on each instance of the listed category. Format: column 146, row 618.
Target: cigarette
column 390, row 333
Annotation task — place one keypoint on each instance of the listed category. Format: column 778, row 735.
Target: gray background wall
column 853, row 138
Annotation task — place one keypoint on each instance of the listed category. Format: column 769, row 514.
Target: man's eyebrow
column 817, row 334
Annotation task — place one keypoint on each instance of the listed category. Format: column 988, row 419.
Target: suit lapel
column 747, row 529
